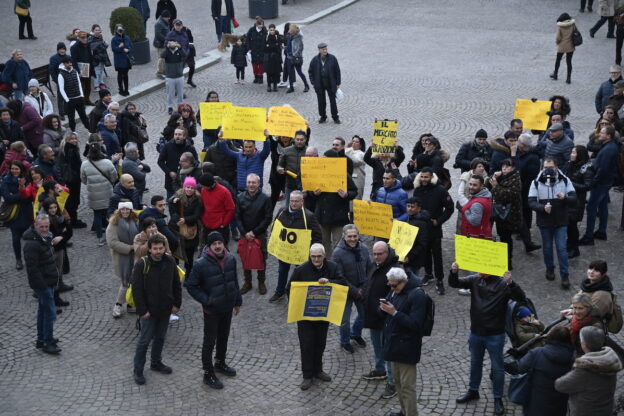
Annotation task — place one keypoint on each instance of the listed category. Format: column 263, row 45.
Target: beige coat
column 117, row 247
column 563, row 39
column 140, row 245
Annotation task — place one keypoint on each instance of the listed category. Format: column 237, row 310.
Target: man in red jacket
column 218, row 207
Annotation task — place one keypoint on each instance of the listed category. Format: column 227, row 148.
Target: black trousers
column 600, row 22
column 505, row 237
column 25, row 21
column 240, row 72
column 86, row 90
column 216, row 331
column 322, row 103
column 434, row 251
column 312, row 340
column 619, row 41
column 122, row 78
column 277, row 183
column 60, row 102
column 589, row 3
column 573, row 235
column 73, row 200
column 568, row 62
column 71, row 107
column 191, row 66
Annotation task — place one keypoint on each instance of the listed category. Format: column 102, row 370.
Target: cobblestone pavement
column 450, row 68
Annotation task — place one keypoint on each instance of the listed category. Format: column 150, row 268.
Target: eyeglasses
column 394, row 286
column 614, row 73
column 378, row 254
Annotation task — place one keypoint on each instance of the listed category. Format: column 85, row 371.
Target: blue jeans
column 282, row 276
column 99, row 69
column 598, row 203
column 494, row 345
column 99, row 215
column 46, row 315
column 291, row 73
column 356, row 329
column 381, row 365
column 151, row 329
column 222, row 26
column 560, row 236
column 18, row 95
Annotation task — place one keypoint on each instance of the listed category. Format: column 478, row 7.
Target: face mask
column 549, row 172
column 120, row 31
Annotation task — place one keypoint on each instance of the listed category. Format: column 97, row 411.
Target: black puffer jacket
column 377, row 287
column 581, row 177
column 40, row 261
column 156, row 286
column 332, row 210
column 254, row 42
column 254, row 212
column 68, row 163
column 468, row 151
column 417, row 255
column 215, row 287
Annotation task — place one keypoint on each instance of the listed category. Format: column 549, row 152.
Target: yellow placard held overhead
column 211, row 114
column 311, row 301
column 385, row 137
column 290, row 245
column 325, row 173
column 61, row 200
column 373, row 218
column 533, row 114
column 402, row 238
column 481, row 256
column 285, row 121
column 244, row 123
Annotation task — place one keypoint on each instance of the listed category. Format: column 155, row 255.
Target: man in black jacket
column 222, row 14
column 124, row 189
column 313, row 334
column 81, row 54
column 214, row 285
column 71, row 90
column 157, row 294
column 169, row 157
column 56, row 60
column 479, row 147
column 488, row 307
column 101, row 106
column 161, row 29
column 156, row 210
column 324, row 73
column 420, row 218
column 253, row 217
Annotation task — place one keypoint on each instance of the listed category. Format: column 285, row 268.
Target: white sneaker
column 173, row 318
column 464, row 292
column 282, row 84
column 116, row 311
column 101, row 242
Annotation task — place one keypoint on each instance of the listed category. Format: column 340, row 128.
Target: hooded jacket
column 40, row 260
column 396, row 197
column 500, row 152
column 563, row 37
column 544, row 190
column 356, row 264
column 376, row 288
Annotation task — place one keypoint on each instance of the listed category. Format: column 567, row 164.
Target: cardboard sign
column 211, row 114
column 244, row 123
column 61, row 200
column 325, row 173
column 402, row 238
column 311, row 301
column 481, row 256
column 285, row 121
column 533, row 114
column 290, row 245
column 373, row 218
column 384, row 137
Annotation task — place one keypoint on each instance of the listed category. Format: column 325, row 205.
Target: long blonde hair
column 114, row 219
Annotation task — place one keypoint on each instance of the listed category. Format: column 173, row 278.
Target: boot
column 63, row 287
column 269, row 88
column 247, row 285
column 260, row 79
column 262, row 289
column 275, row 87
column 569, row 78
column 565, row 281
column 58, row 301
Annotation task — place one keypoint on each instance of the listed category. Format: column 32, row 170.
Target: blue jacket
column 247, row 164
column 604, row 92
column 111, row 140
column 606, row 164
column 19, row 73
column 10, row 193
column 216, row 288
column 558, row 150
column 53, row 66
column 121, row 59
column 119, row 193
column 142, row 6
column 396, row 197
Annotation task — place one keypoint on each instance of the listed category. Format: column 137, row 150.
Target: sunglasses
column 394, row 286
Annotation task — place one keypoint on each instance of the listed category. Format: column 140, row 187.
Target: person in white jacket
column 355, row 151
column 38, row 99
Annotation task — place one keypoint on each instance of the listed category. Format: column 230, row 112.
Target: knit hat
column 331, row 153
column 126, row 204
column 214, row 236
column 206, row 180
column 481, row 133
column 190, row 181
column 103, row 93
column 523, row 312
column 165, row 13
column 60, row 45
column 33, row 83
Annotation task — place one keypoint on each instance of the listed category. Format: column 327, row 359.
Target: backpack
column 161, row 143
column 427, row 328
column 614, row 321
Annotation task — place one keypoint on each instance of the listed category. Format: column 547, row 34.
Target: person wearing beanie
column 55, row 62
column 479, row 147
column 213, row 283
column 563, row 39
column 38, row 99
column 185, row 209
column 218, row 207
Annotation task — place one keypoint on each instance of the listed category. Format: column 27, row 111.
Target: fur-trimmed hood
column 434, row 180
column 445, row 155
column 499, row 144
column 566, row 23
column 605, row 361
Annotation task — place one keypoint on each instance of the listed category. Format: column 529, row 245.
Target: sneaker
column 276, row 296
column 598, row 235
column 323, row 376
column 375, row 375
column 161, row 368
column 306, row 384
column 359, row 340
column 550, row 274
column 51, row 349
column 139, row 378
column 440, row 288
column 348, row 348
column 173, row 318
column 389, row 392
column 426, row 279
column 282, row 84
column 464, row 292
column 130, row 309
column 223, row 368
column 101, row 242
column 116, row 310
column 211, row 380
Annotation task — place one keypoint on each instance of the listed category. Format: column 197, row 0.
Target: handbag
column 297, row 60
column 142, row 136
column 8, row 211
column 500, row 212
column 20, row 11
column 235, row 22
column 520, row 389
column 577, row 38
column 188, row 232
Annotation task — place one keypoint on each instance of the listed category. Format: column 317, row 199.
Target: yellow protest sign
column 289, row 245
column 402, row 238
column 373, row 218
column 244, row 123
column 61, row 200
column 384, row 137
column 311, row 301
column 202, row 156
column 285, row 121
column 211, row 114
column 533, row 114
column 325, row 173
column 481, row 256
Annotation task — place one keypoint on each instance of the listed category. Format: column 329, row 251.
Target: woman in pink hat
column 185, row 209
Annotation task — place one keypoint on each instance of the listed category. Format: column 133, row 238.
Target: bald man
column 124, row 190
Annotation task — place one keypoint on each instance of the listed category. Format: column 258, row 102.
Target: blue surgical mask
column 549, row 172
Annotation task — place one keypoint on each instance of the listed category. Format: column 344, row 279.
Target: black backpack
column 427, row 328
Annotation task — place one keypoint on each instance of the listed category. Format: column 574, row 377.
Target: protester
column 14, row 191
column 478, row 148
column 82, row 59
column 477, row 211
column 250, row 160
column 124, row 190
column 30, row 121
column 325, row 80
column 185, row 212
column 392, row 194
column 156, row 210
column 355, row 151
column 290, row 161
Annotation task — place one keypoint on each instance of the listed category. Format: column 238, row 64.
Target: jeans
column 222, row 26
column 560, row 236
column 598, row 204
column 18, row 94
column 99, row 69
column 99, row 215
column 282, row 276
column 216, row 331
column 175, row 90
column 291, row 73
column 46, row 315
column 356, row 329
column 151, row 329
column 381, row 365
column 322, row 103
column 17, row 230
column 494, row 345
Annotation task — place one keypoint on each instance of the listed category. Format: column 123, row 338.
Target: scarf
column 356, row 251
column 603, row 284
column 576, row 324
column 186, row 171
column 126, row 230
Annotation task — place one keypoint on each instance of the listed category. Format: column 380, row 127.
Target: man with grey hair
column 406, row 311
column 352, row 255
column 591, row 382
column 45, row 160
column 188, row 167
column 313, row 334
column 108, row 131
column 135, row 167
column 606, row 89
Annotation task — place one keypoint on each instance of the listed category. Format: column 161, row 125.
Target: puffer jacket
column 581, row 177
column 156, row 286
column 356, row 265
column 396, row 197
column 376, row 287
column 543, row 192
column 40, row 260
column 99, row 186
column 98, row 49
column 332, row 210
column 563, row 37
column 213, row 283
column 247, row 164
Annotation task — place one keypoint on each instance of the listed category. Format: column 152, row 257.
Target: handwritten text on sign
column 402, row 238
column 244, row 123
column 284, row 121
column 533, row 114
column 384, row 137
column 325, row 173
column 211, row 114
column 481, row 256
column 289, row 245
column 373, row 218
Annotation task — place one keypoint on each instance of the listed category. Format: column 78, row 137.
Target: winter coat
column 332, row 210
column 40, row 260
column 142, row 7
column 18, row 72
column 605, row 164
column 468, row 151
column 110, row 138
column 161, row 29
column 157, row 290
column 488, row 301
column 194, row 172
column 543, row 192
column 333, row 73
column 120, row 193
column 95, row 116
column 254, row 42
column 294, row 219
column 11, row 132
column 140, row 242
column 296, row 45
column 180, row 36
column 82, row 53
column 12, row 195
column 42, row 104
column 169, row 158
column 9, row 157
column 272, row 54
column 253, row 213
column 606, row 8
column 68, row 164
column 213, row 283
column 307, row 272
column 99, row 185
column 131, row 167
column 376, row 287
column 605, row 91
column 32, row 125
column 500, row 152
column 581, row 177
column 174, row 62
column 559, row 150
column 379, row 167
column 359, row 169
column 418, row 253
column 53, row 138
column 563, row 38
column 130, row 126
column 215, row 6
column 526, row 331
column 224, row 165
column 600, row 293
column 117, row 247
column 508, row 191
column 396, row 197
column 356, row 265
column 218, row 207
column 591, row 383
column 434, row 160
column 190, row 212
column 56, row 60
column 290, row 160
column 121, row 58
column 435, row 198
column 402, row 332
column 239, row 56
column 98, row 49
column 247, row 164
column 50, row 170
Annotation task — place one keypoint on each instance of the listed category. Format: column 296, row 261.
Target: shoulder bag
column 188, row 232
column 98, row 169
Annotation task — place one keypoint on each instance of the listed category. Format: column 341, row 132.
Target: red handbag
column 250, row 253
column 236, row 24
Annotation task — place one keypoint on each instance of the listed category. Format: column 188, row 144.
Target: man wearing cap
column 222, row 14
column 559, row 145
column 81, row 55
column 324, row 73
column 617, row 99
column 213, row 283
column 178, row 34
column 53, row 70
column 161, row 29
column 606, row 89
column 479, row 147
column 101, row 106
column 71, row 90
column 217, row 207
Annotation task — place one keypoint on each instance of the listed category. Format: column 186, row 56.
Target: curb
column 325, row 13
